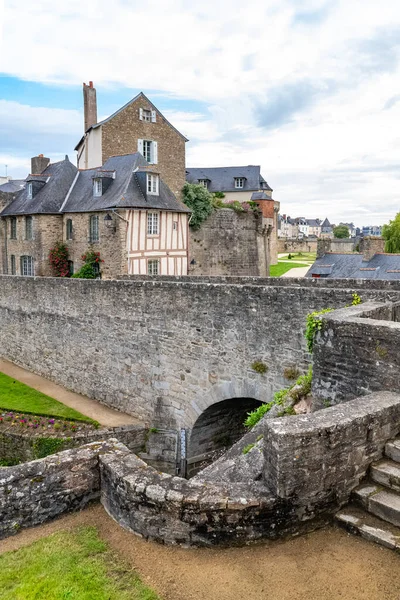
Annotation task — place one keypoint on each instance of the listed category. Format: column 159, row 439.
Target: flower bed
column 43, row 424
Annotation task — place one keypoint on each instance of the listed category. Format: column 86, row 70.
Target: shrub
column 58, row 259
column 91, row 267
column 199, row 199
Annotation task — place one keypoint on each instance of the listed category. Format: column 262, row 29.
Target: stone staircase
column 375, row 509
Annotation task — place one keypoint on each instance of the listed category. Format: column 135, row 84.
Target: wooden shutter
column 140, row 146
column 153, row 116
column 155, row 153
column 141, row 114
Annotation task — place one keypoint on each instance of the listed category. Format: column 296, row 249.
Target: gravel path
column 297, row 272
column 326, row 565
column 91, row 408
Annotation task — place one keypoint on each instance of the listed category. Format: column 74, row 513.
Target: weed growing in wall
column 259, row 367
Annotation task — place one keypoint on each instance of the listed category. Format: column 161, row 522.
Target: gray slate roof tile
column 222, row 179
column 352, row 266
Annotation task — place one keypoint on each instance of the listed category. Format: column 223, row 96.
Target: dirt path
column 297, row 272
column 91, row 408
column 326, row 565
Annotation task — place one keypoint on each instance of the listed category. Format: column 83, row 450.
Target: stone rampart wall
column 357, row 352
column 165, row 349
column 313, row 462
column 37, row 491
column 296, row 245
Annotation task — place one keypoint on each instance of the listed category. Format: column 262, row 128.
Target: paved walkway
column 297, row 272
column 91, row 408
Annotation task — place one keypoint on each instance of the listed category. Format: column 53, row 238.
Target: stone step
column 392, row 450
column 379, row 501
column 387, row 473
column 358, row 521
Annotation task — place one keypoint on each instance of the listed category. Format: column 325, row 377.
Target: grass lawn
column 283, row 267
column 69, row 565
column 17, row 396
column 306, row 256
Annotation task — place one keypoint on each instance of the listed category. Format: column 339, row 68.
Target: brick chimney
column 370, row 246
column 39, row 164
column 89, row 105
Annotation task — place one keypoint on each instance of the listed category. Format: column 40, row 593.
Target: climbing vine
column 58, row 259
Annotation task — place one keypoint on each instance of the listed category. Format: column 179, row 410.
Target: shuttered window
column 149, row 149
column 94, row 229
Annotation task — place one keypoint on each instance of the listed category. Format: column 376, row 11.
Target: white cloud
column 306, row 89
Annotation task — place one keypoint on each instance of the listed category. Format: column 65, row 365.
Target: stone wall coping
column 159, row 281
column 333, row 418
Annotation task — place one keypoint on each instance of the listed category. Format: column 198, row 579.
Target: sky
column 308, row 89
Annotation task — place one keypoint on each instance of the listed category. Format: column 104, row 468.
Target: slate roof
column 352, row 266
column 314, row 222
column 49, row 199
column 123, row 108
column 126, row 190
column 260, row 196
column 12, row 186
column 222, row 179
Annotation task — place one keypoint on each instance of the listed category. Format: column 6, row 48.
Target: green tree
column 341, row 231
column 391, row 234
column 199, row 200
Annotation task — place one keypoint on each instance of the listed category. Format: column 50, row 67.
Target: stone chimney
column 39, row 164
column 370, row 246
column 89, row 105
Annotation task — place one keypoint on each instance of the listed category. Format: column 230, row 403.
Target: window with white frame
column 94, row 228
column 97, row 187
column 152, row 223
column 146, row 115
column 152, row 184
column 27, row 266
column 28, row 228
column 13, row 228
column 13, row 265
column 149, row 149
column 239, row 182
column 30, row 191
column 153, row 266
column 203, row 182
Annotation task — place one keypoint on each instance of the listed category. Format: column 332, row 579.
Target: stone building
column 136, row 127
column 31, row 221
column 243, row 184
column 123, row 210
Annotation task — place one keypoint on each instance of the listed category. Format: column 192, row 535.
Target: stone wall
column 313, row 462
column 357, row 352
column 296, row 245
column 341, row 246
column 165, row 349
column 18, row 445
column 229, row 243
column 37, row 491
column 111, row 244
column 121, row 133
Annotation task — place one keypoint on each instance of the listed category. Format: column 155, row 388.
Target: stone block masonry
column 35, row 492
column 357, row 352
column 165, row 349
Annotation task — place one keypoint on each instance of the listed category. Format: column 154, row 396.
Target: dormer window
column 97, row 187
column 30, row 191
column 203, row 182
column 152, row 184
column 239, row 182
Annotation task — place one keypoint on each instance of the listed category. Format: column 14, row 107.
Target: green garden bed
column 70, row 565
column 16, row 396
